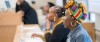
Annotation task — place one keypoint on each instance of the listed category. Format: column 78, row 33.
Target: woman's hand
column 48, row 23
column 35, row 35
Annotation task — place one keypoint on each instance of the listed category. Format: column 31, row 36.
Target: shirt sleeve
column 47, row 36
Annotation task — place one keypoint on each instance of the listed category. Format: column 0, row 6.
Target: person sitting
column 58, row 33
column 46, row 11
column 75, row 14
column 30, row 15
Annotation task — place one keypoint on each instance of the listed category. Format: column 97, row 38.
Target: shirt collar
column 75, row 31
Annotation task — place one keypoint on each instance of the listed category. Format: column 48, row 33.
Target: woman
column 46, row 8
column 58, row 33
column 30, row 15
column 75, row 14
column 46, row 11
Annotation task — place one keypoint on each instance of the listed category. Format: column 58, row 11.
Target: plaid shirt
column 79, row 34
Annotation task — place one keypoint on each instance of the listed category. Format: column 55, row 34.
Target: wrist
column 47, row 29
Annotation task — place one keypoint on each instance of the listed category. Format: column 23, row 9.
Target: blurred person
column 34, row 6
column 46, row 10
column 30, row 15
column 75, row 15
column 58, row 33
column 47, row 6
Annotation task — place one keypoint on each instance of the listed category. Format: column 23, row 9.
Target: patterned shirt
column 79, row 34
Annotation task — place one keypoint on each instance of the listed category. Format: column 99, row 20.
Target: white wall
column 39, row 3
column 97, row 22
column 94, row 6
column 3, row 5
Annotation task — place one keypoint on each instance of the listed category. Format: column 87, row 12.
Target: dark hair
column 60, row 11
column 51, row 4
column 33, row 2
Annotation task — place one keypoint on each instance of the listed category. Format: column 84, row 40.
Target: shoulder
column 84, row 36
column 60, row 27
column 25, row 3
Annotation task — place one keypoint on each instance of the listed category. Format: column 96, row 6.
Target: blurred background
column 92, row 22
